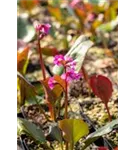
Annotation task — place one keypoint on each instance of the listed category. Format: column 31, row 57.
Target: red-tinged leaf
column 81, row 14
column 102, row 148
column 60, row 81
column 54, row 94
column 22, row 57
column 116, row 148
column 28, row 4
column 102, row 87
column 88, row 7
column 49, row 51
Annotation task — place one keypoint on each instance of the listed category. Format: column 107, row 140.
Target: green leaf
column 77, row 52
column 74, row 129
column 32, row 130
column 100, row 132
column 25, row 29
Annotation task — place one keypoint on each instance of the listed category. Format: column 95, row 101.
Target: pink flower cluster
column 69, row 64
column 43, row 29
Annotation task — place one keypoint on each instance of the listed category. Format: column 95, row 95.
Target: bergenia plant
column 68, row 75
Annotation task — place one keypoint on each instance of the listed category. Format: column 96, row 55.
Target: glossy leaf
column 31, row 129
column 49, row 51
column 100, row 132
column 102, row 87
column 74, row 129
column 78, row 52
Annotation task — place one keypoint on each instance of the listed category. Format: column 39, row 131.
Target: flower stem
column 41, row 60
column 44, row 77
column 109, row 115
column 66, row 145
column 66, row 97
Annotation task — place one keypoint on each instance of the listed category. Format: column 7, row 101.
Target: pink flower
column 65, row 61
column 58, row 59
column 74, row 2
column 91, row 17
column 43, row 29
column 71, row 75
column 51, row 83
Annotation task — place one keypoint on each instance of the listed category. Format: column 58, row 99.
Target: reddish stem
column 66, row 97
column 66, row 145
column 44, row 78
column 109, row 115
column 41, row 60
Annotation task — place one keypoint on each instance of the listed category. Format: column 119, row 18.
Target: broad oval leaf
column 74, row 129
column 77, row 52
column 31, row 129
column 102, row 87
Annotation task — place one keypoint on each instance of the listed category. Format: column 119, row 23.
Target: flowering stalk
column 43, row 30
column 66, row 97
column 41, row 60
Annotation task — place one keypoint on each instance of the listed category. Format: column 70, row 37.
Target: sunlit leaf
column 74, row 129
column 22, row 58
column 78, row 52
